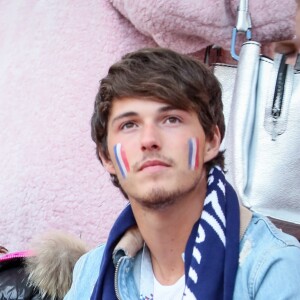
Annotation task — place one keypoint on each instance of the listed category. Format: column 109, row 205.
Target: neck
column 166, row 232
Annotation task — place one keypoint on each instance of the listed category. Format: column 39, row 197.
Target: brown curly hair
column 163, row 75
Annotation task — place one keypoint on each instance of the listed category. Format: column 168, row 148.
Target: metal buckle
column 243, row 25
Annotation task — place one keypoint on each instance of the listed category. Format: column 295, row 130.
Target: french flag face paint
column 121, row 159
column 193, row 153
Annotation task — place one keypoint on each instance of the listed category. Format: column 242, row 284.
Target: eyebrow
column 124, row 115
column 134, row 114
column 168, row 108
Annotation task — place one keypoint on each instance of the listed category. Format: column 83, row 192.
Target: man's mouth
column 153, row 164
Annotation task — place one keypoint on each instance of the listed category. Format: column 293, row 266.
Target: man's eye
column 172, row 120
column 128, row 125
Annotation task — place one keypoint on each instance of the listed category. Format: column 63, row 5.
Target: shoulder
column 85, row 274
column 268, row 257
column 267, row 235
column 92, row 257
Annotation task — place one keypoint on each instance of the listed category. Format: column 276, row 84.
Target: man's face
column 157, row 151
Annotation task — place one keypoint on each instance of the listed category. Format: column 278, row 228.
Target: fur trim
column 50, row 270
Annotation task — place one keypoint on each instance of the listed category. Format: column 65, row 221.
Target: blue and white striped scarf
column 212, row 251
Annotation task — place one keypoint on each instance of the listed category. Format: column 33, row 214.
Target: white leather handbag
column 261, row 100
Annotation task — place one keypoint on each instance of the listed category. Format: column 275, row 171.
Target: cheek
column 121, row 159
column 193, row 153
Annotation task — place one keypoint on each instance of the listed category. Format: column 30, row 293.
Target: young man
column 158, row 124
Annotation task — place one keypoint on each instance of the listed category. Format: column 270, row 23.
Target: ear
column 107, row 163
column 212, row 147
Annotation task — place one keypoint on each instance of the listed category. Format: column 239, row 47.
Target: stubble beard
column 160, row 198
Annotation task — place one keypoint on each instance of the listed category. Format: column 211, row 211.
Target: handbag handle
column 243, row 25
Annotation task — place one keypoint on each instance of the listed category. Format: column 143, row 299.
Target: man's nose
column 150, row 138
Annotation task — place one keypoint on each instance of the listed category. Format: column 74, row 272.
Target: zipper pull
column 274, row 131
column 275, row 115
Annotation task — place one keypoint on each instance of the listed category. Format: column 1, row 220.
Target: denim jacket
column 269, row 268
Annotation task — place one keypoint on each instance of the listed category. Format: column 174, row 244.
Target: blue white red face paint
column 121, row 159
column 193, row 153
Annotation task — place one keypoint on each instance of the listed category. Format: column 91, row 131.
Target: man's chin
column 159, row 198
column 161, row 195
column 157, row 205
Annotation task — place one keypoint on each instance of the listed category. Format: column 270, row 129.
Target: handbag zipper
column 278, row 95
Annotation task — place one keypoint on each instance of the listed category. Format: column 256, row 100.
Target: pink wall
column 52, row 56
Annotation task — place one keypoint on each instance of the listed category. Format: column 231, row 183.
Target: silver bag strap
column 243, row 25
column 241, row 117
